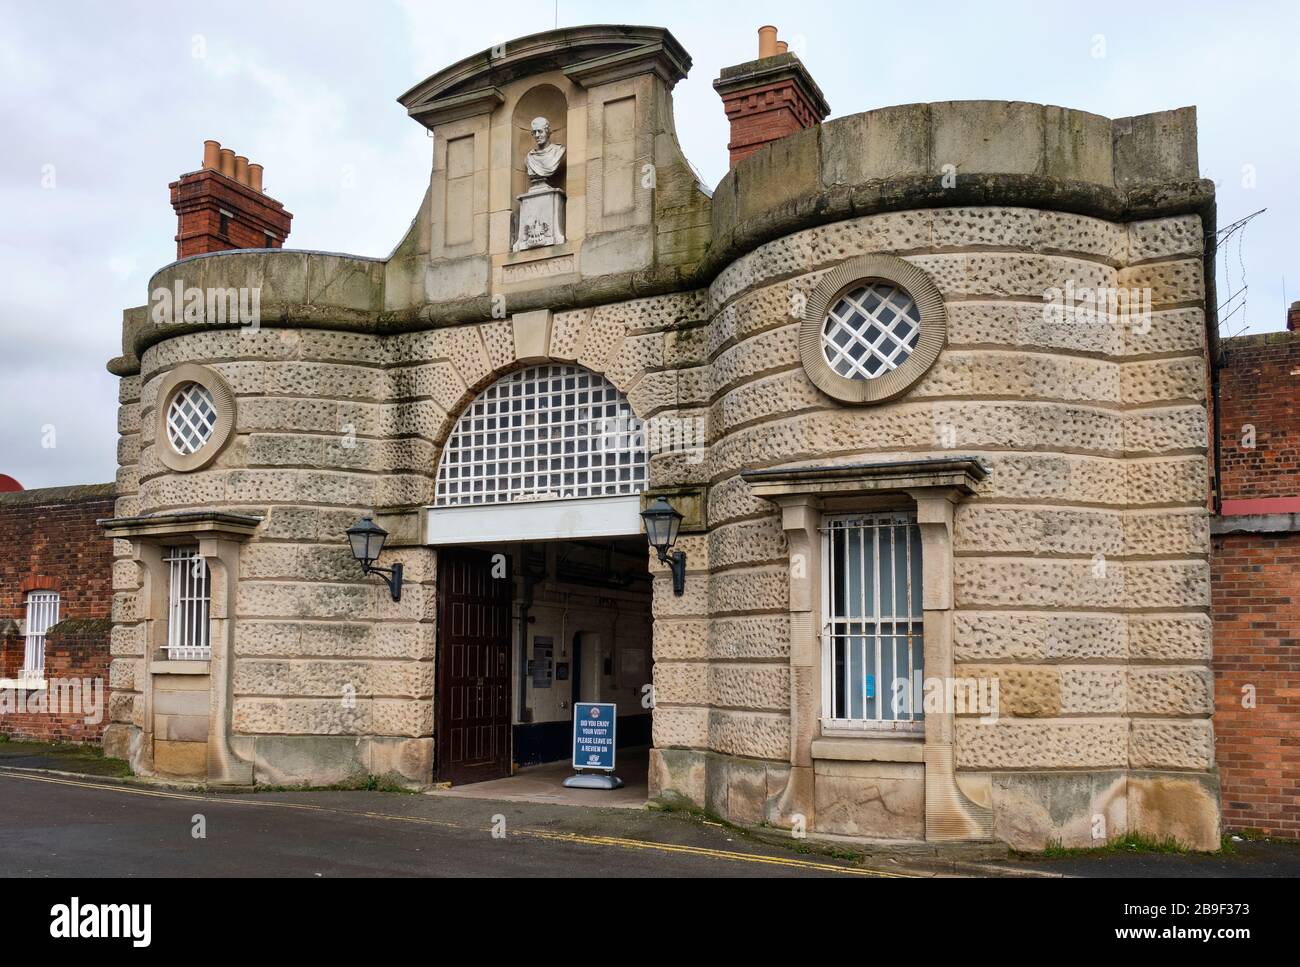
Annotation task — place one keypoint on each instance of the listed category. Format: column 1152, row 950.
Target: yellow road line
column 580, row 838
column 706, row 851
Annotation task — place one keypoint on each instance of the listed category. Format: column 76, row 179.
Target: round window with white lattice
column 871, row 328
column 871, row 331
column 191, row 417
column 195, row 416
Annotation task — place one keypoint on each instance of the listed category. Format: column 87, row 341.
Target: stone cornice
column 961, row 474
column 589, row 55
column 189, row 524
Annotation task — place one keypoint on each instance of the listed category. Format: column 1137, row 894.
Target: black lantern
column 661, row 524
column 367, row 540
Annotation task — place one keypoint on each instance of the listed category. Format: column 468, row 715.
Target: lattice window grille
column 191, row 418
column 871, row 330
column 545, row 432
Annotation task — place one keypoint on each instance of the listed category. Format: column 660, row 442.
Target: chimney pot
column 227, row 163
column 782, row 47
column 766, row 41
column 241, row 169
column 1293, row 317
column 211, row 154
column 255, row 177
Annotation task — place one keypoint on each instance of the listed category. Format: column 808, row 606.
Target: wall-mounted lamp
column 367, row 540
column 661, row 524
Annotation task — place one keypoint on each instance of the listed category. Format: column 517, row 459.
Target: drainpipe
column 224, row 766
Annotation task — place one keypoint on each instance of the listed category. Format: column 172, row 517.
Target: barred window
column 188, row 605
column 42, row 615
column 872, row 639
column 549, row 431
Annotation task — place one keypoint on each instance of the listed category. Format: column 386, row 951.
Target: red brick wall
column 1255, row 576
column 1259, row 386
column 73, row 707
column 1256, row 605
column 51, row 541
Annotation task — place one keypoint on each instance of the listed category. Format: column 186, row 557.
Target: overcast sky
column 102, row 104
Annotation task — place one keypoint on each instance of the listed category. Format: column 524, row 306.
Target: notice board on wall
column 543, row 655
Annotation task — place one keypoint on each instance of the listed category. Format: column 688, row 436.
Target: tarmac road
column 83, row 827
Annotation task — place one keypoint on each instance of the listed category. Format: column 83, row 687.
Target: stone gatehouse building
column 926, row 384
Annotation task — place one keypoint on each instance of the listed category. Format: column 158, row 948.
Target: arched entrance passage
column 536, row 517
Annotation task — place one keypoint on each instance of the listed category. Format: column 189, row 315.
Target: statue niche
column 541, row 207
column 540, row 169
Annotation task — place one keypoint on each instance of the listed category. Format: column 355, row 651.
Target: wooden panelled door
column 473, row 689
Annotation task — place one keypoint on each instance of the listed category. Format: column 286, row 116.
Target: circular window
column 871, row 328
column 191, row 417
column 195, row 414
column 871, row 331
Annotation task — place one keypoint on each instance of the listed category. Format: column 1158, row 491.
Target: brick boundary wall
column 52, row 542
column 76, row 663
column 1255, row 579
column 1259, row 386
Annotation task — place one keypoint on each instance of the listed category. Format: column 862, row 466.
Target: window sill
column 903, row 748
column 179, row 667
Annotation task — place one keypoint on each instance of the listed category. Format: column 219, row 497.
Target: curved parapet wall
column 962, row 153
column 915, row 156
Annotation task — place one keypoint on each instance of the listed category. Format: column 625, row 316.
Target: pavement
column 545, row 784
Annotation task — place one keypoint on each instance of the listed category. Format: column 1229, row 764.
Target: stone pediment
column 593, row 54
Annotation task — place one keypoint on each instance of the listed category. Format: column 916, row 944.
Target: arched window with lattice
column 548, row 432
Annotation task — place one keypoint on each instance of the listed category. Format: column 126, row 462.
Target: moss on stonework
column 80, row 626
column 58, row 495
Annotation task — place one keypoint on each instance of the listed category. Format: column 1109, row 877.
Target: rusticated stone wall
column 1080, row 569
column 330, row 426
column 1080, row 572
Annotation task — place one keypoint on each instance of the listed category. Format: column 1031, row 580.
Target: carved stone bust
column 541, row 207
column 545, row 159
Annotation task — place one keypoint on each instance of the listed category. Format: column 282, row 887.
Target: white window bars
column 871, row 330
column 188, row 605
column 42, row 615
column 872, row 640
column 545, row 432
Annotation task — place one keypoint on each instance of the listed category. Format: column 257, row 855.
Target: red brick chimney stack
column 222, row 206
column 768, row 98
column 1293, row 317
